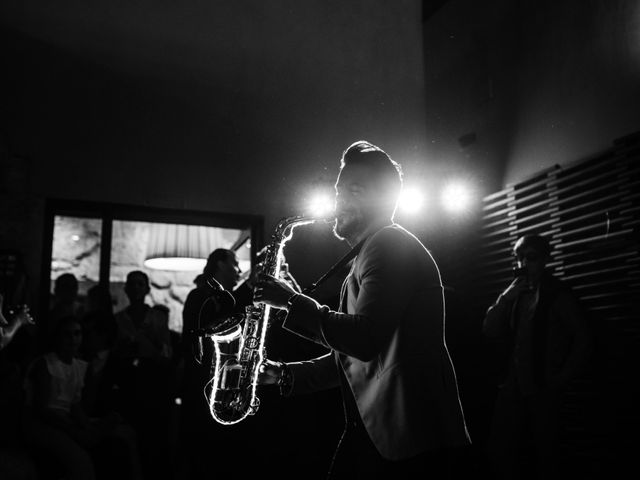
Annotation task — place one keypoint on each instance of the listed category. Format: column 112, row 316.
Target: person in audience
column 143, row 331
column 143, row 355
column 98, row 333
column 99, row 299
column 64, row 302
column 15, row 461
column 540, row 321
column 56, row 423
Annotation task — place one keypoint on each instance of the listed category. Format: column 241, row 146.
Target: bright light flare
column 411, row 200
column 457, row 197
column 321, row 205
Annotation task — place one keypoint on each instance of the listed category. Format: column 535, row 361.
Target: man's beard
column 348, row 230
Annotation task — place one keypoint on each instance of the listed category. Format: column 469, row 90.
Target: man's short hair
column 135, row 273
column 218, row 255
column 66, row 285
column 386, row 172
column 537, row 242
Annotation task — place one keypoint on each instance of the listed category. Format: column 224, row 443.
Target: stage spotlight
column 321, row 205
column 411, row 200
column 456, row 197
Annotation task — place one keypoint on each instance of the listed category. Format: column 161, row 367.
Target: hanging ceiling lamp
column 184, row 247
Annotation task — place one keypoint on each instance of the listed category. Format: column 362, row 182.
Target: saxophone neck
column 287, row 223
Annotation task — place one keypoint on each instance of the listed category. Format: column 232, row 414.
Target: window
column 104, row 242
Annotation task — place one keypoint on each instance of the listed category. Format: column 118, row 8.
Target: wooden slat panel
column 522, row 219
column 498, row 213
column 592, row 204
column 590, row 193
column 599, row 225
column 491, row 197
column 624, row 232
column 594, row 261
column 563, row 186
column 501, row 233
column 572, row 173
column 487, row 226
column 539, row 204
column 590, row 214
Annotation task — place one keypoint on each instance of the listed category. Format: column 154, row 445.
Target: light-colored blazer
column 390, row 343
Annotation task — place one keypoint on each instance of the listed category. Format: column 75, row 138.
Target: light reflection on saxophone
column 232, row 389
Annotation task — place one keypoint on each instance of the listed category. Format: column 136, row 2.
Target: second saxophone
column 232, row 396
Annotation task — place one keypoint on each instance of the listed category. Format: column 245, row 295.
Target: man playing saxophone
column 388, row 353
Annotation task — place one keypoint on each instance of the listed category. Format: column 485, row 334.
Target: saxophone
column 232, row 396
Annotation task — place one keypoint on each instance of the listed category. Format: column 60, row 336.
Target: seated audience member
column 56, row 424
column 64, row 303
column 98, row 334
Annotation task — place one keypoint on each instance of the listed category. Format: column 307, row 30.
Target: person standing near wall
column 540, row 321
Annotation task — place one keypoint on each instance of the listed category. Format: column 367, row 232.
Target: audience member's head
column 99, row 299
column 532, row 253
column 67, row 337
column 99, row 331
column 137, row 286
column 222, row 265
column 65, row 288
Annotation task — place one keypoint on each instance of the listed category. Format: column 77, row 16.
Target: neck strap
column 338, row 265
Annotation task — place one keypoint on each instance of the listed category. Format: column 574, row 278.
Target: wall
column 539, row 83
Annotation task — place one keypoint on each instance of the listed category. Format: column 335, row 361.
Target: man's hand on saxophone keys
column 273, row 291
column 270, row 372
column 276, row 373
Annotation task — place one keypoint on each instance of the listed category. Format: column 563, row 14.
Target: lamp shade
column 182, row 247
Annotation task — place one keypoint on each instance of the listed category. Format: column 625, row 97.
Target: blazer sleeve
column 387, row 279
column 313, row 375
